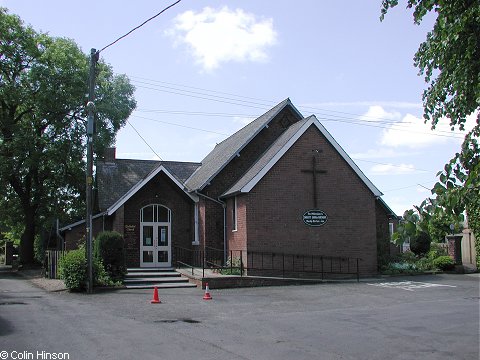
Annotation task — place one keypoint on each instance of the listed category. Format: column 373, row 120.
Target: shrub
column 425, row 264
column 420, row 244
column 109, row 248
column 444, row 263
column 436, row 250
column 39, row 249
column 399, row 268
column 73, row 269
column 408, row 257
column 233, row 267
column 100, row 275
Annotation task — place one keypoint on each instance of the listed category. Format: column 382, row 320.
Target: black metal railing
column 268, row 264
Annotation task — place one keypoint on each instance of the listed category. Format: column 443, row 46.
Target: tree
column 412, row 229
column 436, row 220
column 43, row 87
column 407, row 228
column 449, row 59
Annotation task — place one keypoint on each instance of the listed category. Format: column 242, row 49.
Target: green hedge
column 444, row 263
column 420, row 244
column 73, row 269
column 109, row 248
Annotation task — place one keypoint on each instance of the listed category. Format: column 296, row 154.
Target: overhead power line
column 180, row 125
column 145, row 141
column 261, row 104
column 139, row 26
column 398, row 166
column 408, row 187
column 267, row 104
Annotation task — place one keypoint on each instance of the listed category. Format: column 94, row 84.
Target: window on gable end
column 234, row 214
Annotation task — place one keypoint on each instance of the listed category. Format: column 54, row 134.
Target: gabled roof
column 281, row 146
column 388, row 209
column 224, row 152
column 114, row 207
column 115, row 179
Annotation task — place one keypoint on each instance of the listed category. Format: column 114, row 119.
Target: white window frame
column 234, row 215
column 196, row 240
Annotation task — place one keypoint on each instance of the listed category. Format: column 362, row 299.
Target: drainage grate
column 12, row 303
column 170, row 321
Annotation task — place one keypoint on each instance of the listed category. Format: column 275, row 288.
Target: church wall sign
column 315, row 217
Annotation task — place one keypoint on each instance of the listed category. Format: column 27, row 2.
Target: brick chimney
column 109, row 155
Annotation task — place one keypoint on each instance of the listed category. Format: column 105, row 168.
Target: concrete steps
column 148, row 278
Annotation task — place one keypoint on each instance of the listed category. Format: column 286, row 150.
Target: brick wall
column 385, row 248
column 237, row 239
column 160, row 190
column 276, row 204
column 235, row 169
column 76, row 235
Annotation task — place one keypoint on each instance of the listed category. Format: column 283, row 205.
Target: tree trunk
column 27, row 239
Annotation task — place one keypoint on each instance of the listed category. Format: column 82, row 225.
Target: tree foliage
column 436, row 220
column 449, row 59
column 43, row 87
column 407, row 228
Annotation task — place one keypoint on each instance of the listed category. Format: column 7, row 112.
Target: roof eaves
column 264, row 170
column 311, row 120
column 388, row 208
column 286, row 102
column 142, row 183
column 80, row 222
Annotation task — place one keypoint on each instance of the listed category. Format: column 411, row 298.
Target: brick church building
column 281, row 184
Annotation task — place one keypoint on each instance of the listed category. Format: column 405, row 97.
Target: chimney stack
column 110, row 155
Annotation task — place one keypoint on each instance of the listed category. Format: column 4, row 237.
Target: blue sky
column 204, row 69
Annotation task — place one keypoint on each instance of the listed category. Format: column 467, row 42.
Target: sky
column 204, row 69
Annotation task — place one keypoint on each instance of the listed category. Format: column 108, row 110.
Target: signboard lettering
column 315, row 217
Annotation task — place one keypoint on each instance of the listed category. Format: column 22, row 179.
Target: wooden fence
column 52, row 261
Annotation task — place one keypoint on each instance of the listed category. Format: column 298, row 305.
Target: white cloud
column 423, row 190
column 390, row 169
column 380, row 154
column 218, row 36
column 389, row 104
column 378, row 113
column 399, row 204
column 243, row 121
column 412, row 132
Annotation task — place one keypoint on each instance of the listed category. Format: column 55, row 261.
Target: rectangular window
column 390, row 228
column 234, row 214
column 196, row 240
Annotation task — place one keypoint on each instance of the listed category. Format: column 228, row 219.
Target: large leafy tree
column 449, row 59
column 43, row 87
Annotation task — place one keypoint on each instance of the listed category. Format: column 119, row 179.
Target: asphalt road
column 428, row 317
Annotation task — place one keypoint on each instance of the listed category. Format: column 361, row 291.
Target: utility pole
column 89, row 172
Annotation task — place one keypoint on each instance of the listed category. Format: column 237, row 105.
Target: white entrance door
column 155, row 245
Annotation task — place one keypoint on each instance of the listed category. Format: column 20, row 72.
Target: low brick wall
column 227, row 282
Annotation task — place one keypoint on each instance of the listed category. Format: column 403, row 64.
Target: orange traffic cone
column 156, row 299
column 207, row 295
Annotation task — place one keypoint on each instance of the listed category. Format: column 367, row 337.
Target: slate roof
column 266, row 158
column 278, row 149
column 115, row 179
column 224, row 152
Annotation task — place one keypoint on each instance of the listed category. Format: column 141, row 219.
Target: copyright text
column 36, row 355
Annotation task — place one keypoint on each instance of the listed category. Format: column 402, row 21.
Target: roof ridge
column 224, row 151
column 286, row 101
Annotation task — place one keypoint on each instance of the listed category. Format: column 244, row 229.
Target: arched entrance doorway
column 155, row 236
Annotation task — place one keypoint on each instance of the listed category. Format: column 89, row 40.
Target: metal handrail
column 270, row 262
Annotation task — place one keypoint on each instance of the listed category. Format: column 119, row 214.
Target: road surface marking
column 408, row 285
